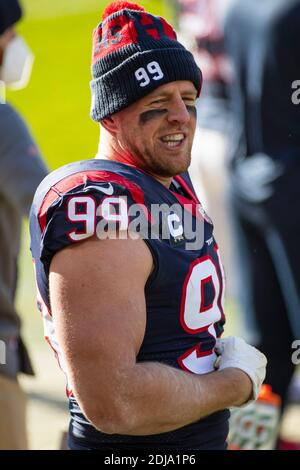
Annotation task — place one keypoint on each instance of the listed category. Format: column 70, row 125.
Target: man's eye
column 157, row 103
column 190, row 101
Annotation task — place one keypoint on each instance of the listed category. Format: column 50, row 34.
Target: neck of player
column 110, row 149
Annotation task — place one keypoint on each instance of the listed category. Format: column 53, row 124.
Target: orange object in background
column 255, row 426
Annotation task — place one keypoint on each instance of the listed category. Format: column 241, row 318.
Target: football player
column 129, row 274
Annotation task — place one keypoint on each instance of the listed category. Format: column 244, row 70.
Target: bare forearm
column 101, row 328
column 156, row 398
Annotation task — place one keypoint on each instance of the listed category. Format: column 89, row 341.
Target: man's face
column 158, row 130
column 5, row 37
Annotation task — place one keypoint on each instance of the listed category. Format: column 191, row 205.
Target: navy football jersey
column 184, row 293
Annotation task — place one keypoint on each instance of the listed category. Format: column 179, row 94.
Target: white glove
column 235, row 352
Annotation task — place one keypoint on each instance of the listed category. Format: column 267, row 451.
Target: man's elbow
column 111, row 419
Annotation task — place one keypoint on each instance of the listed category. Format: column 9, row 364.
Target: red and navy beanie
column 135, row 52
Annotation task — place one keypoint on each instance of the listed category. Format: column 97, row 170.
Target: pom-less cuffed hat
column 10, row 13
column 134, row 53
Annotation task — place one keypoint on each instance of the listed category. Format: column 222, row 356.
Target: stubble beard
column 160, row 165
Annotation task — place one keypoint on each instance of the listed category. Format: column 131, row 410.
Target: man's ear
column 110, row 125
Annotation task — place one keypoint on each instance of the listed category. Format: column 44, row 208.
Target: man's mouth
column 173, row 140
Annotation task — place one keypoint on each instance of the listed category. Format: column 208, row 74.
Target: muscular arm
column 98, row 305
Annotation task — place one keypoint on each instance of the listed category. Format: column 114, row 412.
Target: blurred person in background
column 21, row 170
column 200, row 27
column 262, row 40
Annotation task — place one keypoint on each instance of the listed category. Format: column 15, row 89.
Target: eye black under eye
column 155, row 113
column 151, row 114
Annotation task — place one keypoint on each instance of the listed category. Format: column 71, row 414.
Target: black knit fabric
column 141, row 39
column 10, row 13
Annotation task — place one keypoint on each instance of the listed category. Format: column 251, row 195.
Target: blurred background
column 56, row 106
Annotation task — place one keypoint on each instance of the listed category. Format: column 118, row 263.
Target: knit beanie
column 135, row 52
column 10, row 13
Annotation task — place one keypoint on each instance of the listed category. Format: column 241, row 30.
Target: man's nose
column 178, row 112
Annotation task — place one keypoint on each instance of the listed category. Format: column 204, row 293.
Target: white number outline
column 90, row 217
column 153, row 68
column 200, row 361
column 104, row 211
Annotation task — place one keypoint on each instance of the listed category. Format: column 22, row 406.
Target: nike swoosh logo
column 108, row 189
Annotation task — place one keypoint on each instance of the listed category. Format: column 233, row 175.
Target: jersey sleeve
column 79, row 208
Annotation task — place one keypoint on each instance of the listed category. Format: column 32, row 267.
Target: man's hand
column 235, row 352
